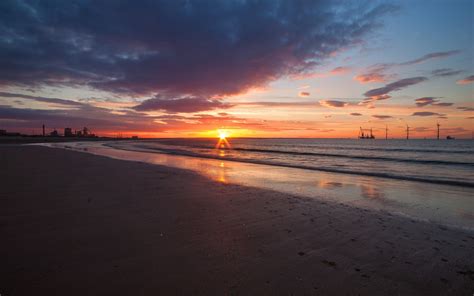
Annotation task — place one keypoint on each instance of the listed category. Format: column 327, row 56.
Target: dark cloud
column 304, row 94
column 293, row 104
column 97, row 119
column 467, row 80
column 421, row 102
column 382, row 116
column 356, row 114
column 445, row 72
column 426, row 114
column 430, row 56
column 199, row 48
column 332, row 103
column 182, row 104
column 394, row 86
column 466, row 108
column 41, row 99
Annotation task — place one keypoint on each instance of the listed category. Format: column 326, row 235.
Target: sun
column 223, row 143
column 222, row 134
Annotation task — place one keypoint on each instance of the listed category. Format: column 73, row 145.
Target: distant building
column 68, row 132
column 85, row 132
column 54, row 133
column 135, row 137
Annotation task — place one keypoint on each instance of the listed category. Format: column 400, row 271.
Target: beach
column 79, row 224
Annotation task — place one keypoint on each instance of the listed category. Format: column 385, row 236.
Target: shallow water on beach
column 440, row 203
column 430, row 161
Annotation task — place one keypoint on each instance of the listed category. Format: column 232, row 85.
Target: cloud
column 356, row 114
column 377, row 72
column 196, row 48
column 333, row 103
column 467, row 80
column 382, row 116
column 394, row 86
column 304, row 94
column 430, row 56
column 426, row 114
column 182, row 104
column 421, row 102
column 41, row 99
column 445, row 72
column 98, row 119
column 293, row 104
column 374, row 73
column 466, row 108
column 340, row 70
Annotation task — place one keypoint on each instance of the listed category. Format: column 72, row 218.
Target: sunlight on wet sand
column 448, row 205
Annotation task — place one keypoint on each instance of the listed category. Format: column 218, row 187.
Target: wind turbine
column 437, row 123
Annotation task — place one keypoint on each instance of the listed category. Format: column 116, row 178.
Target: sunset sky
column 252, row 68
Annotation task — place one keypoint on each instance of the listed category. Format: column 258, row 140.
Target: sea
column 430, row 161
column 431, row 180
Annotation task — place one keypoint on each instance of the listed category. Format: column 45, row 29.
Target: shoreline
column 75, row 223
column 448, row 205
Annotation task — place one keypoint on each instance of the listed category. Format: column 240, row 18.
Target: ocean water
column 424, row 180
column 429, row 161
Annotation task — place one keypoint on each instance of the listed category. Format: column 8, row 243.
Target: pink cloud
column 467, row 80
column 340, row 70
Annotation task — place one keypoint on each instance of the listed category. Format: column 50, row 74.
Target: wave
column 421, row 161
column 297, row 166
column 302, row 153
column 333, row 147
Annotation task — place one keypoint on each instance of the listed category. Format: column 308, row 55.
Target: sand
column 72, row 223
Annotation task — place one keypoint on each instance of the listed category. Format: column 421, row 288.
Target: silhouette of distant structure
column 3, row 132
column 44, row 133
column 54, row 133
column 366, row 133
column 408, row 132
column 68, row 132
column 438, row 125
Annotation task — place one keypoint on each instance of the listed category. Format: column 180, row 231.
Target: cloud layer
column 183, row 104
column 199, row 48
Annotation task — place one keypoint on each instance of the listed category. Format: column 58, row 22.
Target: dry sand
column 78, row 224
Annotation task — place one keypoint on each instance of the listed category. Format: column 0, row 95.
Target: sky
column 313, row 69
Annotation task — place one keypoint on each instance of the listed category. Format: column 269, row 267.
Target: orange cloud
column 370, row 77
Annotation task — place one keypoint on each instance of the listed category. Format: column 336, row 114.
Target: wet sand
column 78, row 224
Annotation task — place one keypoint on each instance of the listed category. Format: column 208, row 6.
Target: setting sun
column 222, row 134
column 222, row 143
